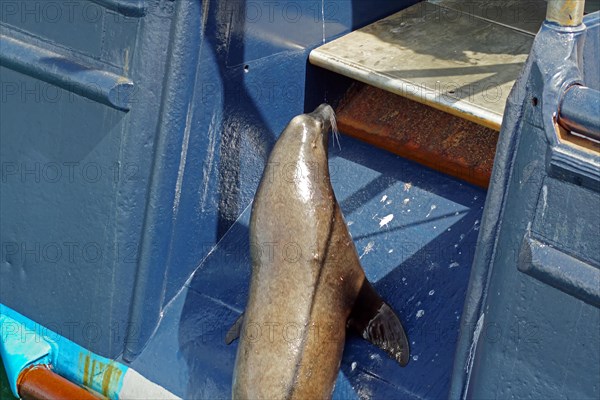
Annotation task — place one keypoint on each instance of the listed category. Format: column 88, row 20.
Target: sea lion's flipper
column 374, row 320
column 235, row 330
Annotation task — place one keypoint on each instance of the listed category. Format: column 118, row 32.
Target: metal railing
column 579, row 107
column 565, row 12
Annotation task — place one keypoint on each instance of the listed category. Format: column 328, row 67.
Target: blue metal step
column 419, row 262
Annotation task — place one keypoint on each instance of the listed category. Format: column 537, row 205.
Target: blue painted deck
column 419, row 262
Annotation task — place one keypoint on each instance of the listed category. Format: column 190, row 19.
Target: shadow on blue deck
column 419, row 262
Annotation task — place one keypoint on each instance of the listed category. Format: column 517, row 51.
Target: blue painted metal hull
column 419, row 263
column 530, row 323
column 106, row 212
column 134, row 135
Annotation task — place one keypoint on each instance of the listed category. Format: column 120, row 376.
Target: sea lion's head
column 297, row 169
column 310, row 132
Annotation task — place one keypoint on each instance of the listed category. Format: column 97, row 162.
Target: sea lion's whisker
column 334, row 129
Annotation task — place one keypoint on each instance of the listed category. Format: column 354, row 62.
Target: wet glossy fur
column 306, row 273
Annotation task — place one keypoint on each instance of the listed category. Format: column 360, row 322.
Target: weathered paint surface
column 98, row 374
column 540, row 336
column 70, row 363
column 106, row 212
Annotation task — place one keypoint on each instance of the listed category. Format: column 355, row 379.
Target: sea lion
column 307, row 284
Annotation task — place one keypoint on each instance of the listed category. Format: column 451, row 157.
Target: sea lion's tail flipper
column 235, row 330
column 374, row 320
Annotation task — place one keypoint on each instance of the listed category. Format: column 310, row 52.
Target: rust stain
column 431, row 137
column 106, row 380
column 579, row 142
column 99, row 375
column 95, row 373
column 86, row 369
column 111, row 377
